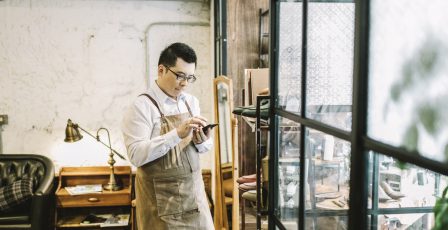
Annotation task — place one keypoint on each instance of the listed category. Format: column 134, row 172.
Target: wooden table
column 72, row 209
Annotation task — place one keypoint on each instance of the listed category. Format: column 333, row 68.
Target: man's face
column 167, row 79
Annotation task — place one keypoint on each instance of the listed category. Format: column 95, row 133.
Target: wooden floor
column 251, row 221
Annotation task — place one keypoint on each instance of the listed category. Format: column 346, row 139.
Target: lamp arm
column 108, row 136
column 98, row 139
column 110, row 145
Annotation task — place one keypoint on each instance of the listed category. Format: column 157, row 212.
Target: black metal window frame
column 361, row 144
column 220, row 42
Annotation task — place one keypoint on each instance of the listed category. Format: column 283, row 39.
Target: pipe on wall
column 147, row 64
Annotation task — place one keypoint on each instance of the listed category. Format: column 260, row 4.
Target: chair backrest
column 39, row 168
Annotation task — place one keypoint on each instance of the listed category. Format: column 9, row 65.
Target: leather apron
column 170, row 191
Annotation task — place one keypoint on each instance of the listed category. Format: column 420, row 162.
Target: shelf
column 72, row 209
column 75, row 221
column 251, row 122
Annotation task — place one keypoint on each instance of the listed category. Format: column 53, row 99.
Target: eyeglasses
column 182, row 76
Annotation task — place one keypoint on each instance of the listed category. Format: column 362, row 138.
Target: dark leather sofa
column 38, row 212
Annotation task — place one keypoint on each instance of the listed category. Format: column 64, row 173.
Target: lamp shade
column 72, row 132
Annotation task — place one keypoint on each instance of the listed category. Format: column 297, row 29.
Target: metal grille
column 330, row 53
column 290, row 54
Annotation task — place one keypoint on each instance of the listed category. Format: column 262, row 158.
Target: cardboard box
column 255, row 80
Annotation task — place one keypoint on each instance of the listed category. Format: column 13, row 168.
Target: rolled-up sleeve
column 205, row 146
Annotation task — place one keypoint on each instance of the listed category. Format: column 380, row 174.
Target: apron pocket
column 193, row 158
column 175, row 195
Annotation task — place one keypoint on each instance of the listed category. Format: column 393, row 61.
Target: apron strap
column 157, row 105
column 188, row 107
column 154, row 102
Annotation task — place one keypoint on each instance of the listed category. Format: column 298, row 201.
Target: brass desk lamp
column 72, row 135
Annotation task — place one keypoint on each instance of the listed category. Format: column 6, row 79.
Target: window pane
column 288, row 173
column 290, row 56
column 404, row 185
column 394, row 185
column 408, row 75
column 330, row 60
column 327, row 222
column 369, row 220
column 420, row 221
column 328, row 176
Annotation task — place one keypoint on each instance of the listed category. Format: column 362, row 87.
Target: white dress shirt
column 141, row 126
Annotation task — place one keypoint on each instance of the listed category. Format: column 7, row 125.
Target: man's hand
column 199, row 136
column 188, row 125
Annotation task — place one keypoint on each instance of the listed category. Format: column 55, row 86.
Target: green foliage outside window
column 441, row 212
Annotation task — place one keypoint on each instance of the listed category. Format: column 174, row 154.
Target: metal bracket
column 3, row 119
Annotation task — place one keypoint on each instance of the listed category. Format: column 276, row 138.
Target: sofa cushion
column 16, row 193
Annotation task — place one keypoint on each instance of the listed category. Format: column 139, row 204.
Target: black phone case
column 204, row 129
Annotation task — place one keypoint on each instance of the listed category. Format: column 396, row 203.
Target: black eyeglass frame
column 179, row 77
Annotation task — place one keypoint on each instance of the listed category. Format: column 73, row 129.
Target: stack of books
column 84, row 189
column 106, row 220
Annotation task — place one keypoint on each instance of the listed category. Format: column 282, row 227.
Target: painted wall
column 88, row 60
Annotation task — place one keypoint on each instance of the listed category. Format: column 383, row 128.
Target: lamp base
column 111, row 187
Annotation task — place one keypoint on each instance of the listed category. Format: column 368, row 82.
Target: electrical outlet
column 3, row 119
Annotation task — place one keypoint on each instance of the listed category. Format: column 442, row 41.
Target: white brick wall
column 88, row 60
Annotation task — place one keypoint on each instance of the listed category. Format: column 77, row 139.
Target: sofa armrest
column 42, row 211
column 46, row 184
column 39, row 211
column 42, row 204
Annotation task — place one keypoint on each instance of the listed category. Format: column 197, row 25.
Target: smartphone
column 211, row 126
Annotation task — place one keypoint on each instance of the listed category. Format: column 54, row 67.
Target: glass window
column 421, row 221
column 288, row 172
column 408, row 79
column 407, row 107
column 327, row 184
column 402, row 185
column 395, row 185
column 290, row 56
column 331, row 222
column 330, row 62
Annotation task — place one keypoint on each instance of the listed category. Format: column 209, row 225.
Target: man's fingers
column 198, row 121
column 203, row 136
column 202, row 118
column 193, row 126
column 199, row 137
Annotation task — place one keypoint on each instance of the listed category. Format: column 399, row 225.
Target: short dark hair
column 176, row 50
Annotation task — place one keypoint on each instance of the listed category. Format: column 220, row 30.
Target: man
column 163, row 136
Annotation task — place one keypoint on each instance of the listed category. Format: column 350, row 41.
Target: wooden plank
column 94, row 170
column 242, row 40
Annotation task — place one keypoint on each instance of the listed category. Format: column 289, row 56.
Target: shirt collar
column 162, row 95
